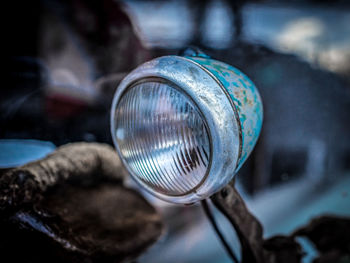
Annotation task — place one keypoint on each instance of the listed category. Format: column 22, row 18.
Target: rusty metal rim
column 232, row 104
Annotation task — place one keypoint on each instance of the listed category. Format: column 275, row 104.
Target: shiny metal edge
column 215, row 106
column 232, row 104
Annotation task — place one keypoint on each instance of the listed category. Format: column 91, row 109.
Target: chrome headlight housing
column 183, row 126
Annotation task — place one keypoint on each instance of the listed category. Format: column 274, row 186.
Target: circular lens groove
column 162, row 137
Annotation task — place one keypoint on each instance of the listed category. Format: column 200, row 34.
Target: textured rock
column 80, row 220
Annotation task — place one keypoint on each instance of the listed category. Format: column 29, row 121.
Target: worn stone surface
column 81, row 162
column 68, row 216
column 107, row 223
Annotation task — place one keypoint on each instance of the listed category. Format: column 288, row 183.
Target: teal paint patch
column 245, row 97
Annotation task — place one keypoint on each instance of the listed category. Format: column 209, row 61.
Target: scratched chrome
column 226, row 127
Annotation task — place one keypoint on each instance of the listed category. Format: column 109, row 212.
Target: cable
column 218, row 232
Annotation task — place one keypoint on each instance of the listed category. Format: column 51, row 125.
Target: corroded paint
column 244, row 96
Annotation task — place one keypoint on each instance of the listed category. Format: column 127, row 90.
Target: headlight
column 184, row 125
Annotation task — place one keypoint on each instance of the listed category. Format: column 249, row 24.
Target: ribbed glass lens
column 162, row 137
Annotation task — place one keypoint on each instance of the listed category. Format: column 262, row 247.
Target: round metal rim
column 215, row 106
column 158, row 79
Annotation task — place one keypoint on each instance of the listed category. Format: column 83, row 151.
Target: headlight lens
column 162, row 136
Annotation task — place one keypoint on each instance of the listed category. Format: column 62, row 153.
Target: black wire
column 217, row 230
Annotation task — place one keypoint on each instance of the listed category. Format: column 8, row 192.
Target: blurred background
column 64, row 59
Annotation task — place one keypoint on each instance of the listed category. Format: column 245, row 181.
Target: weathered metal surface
column 330, row 235
column 227, row 99
column 215, row 106
column 254, row 248
column 245, row 97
